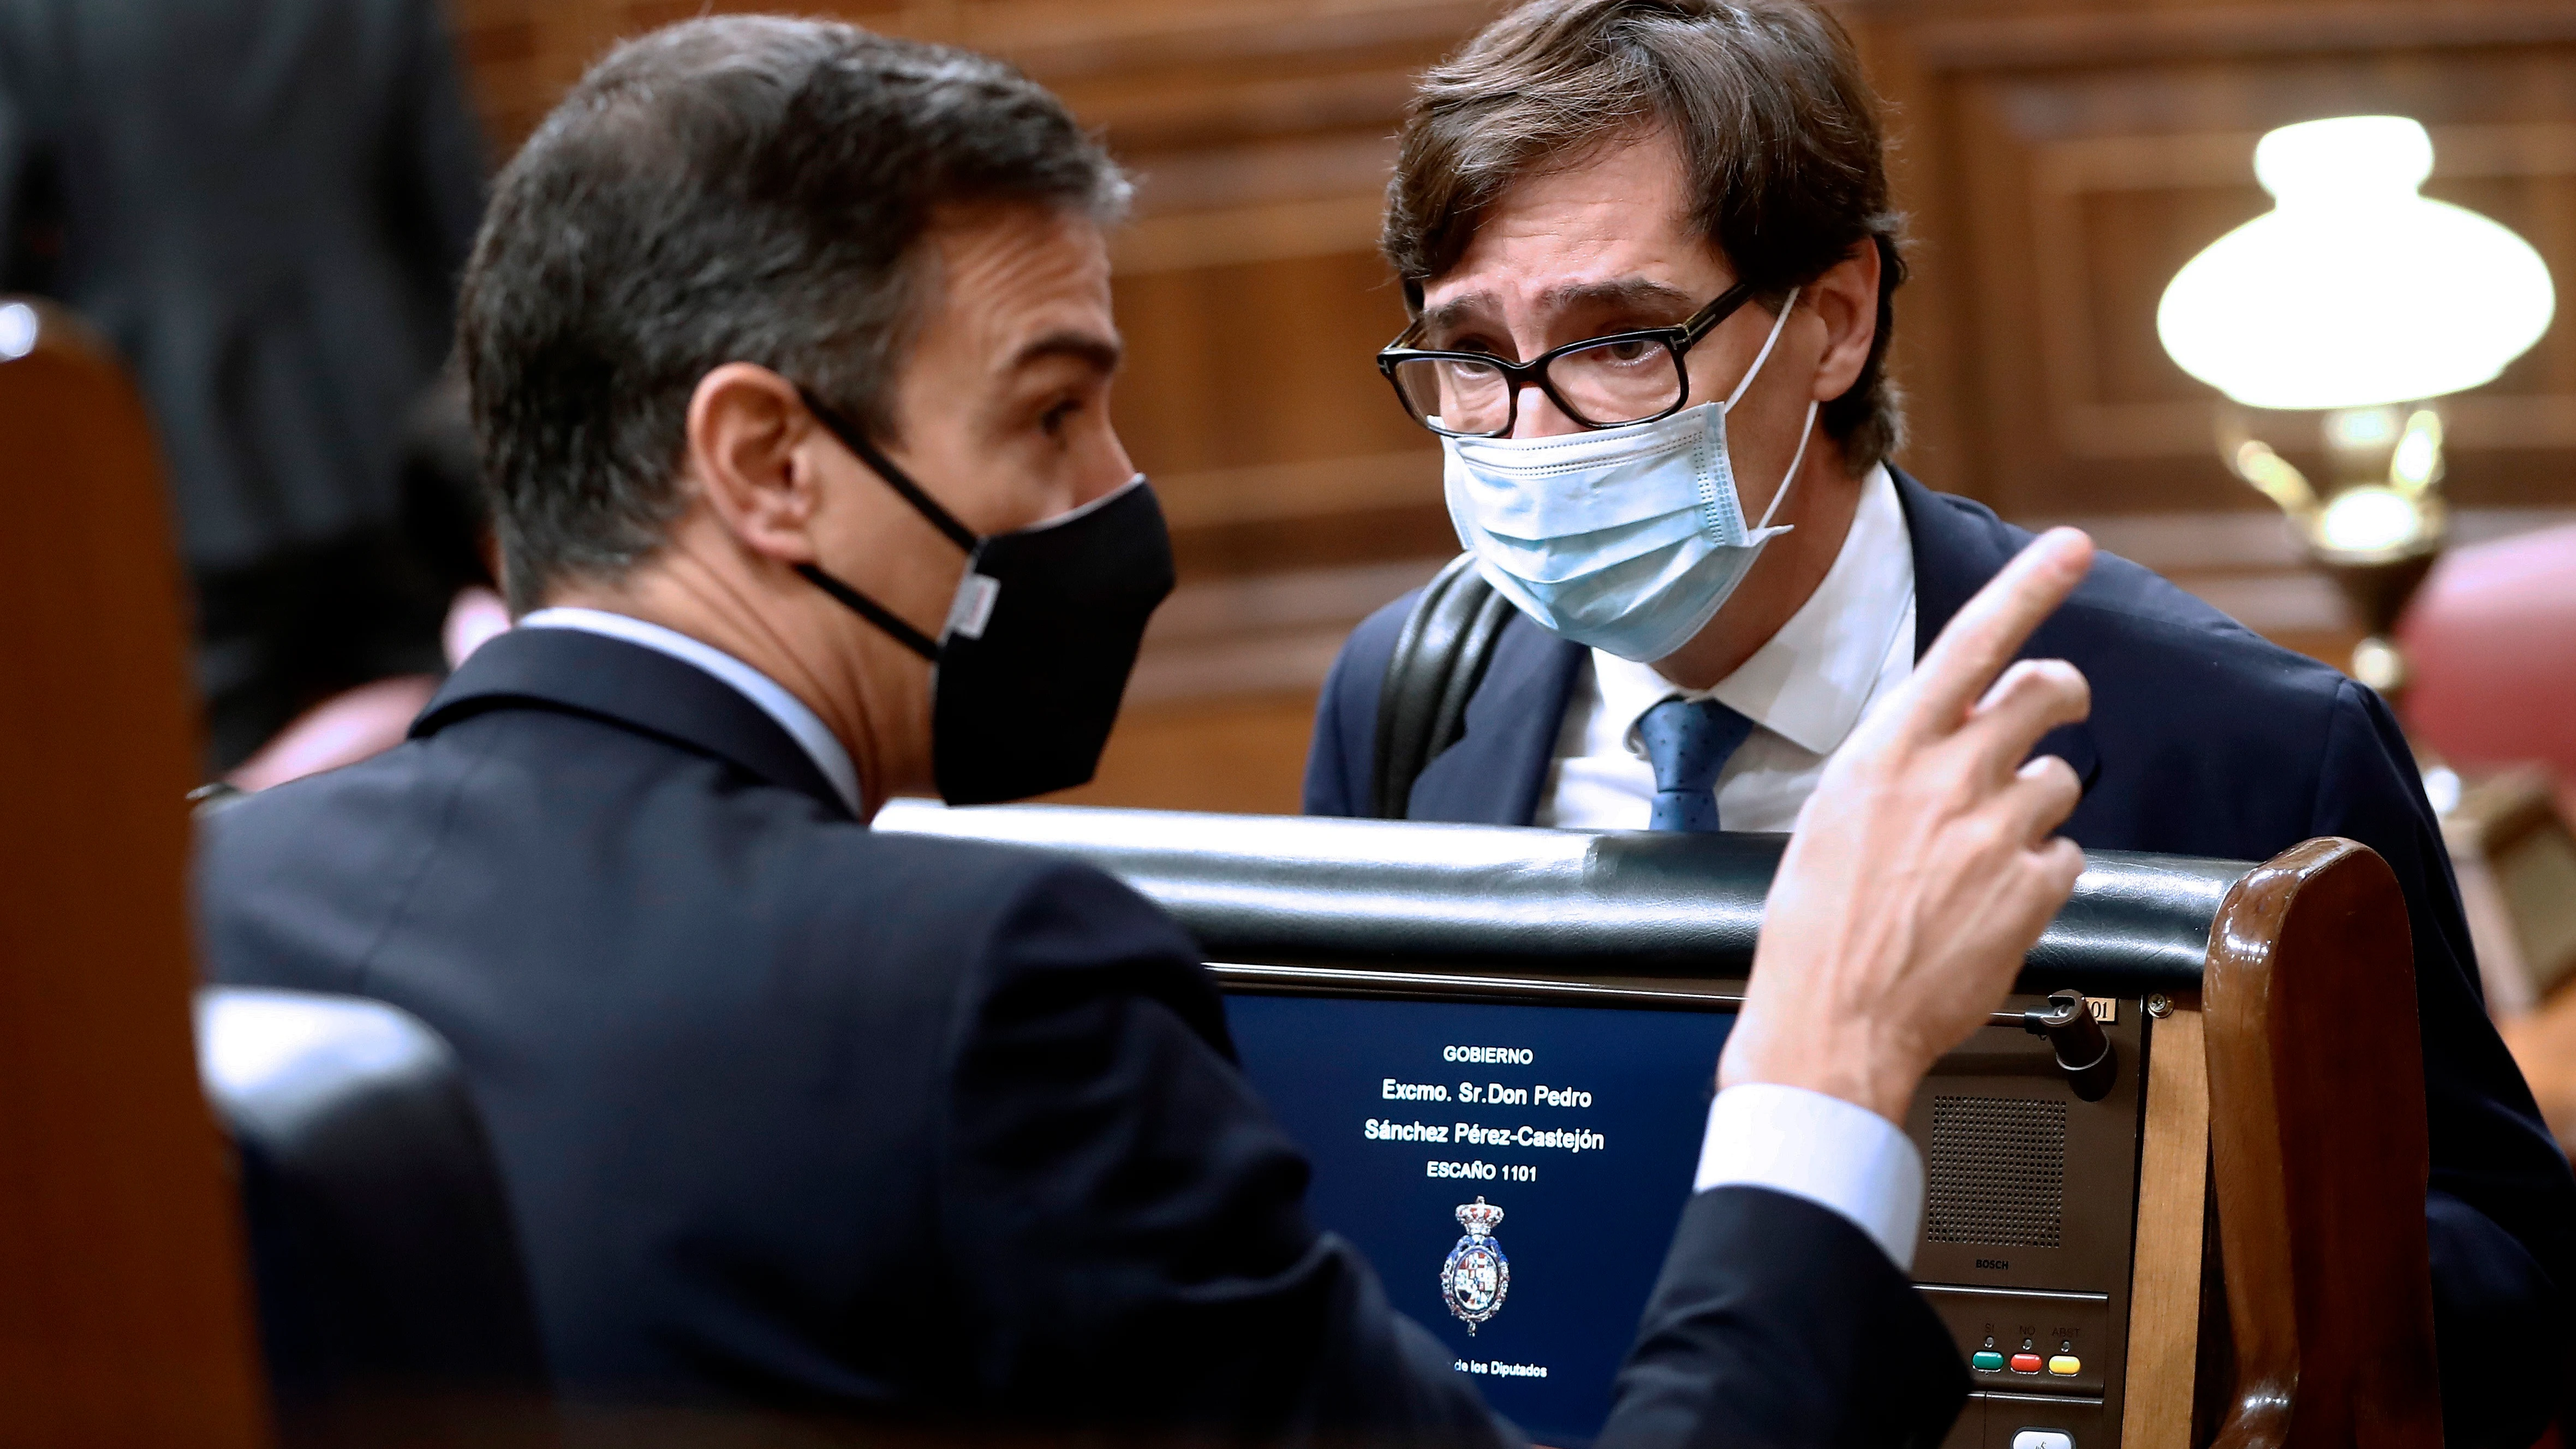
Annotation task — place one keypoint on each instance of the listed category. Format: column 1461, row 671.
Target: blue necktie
column 1689, row 740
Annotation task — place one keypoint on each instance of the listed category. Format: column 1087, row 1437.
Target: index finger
column 1984, row 635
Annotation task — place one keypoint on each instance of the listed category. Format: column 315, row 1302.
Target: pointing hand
column 1924, row 866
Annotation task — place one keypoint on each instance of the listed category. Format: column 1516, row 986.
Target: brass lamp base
column 2379, row 585
column 2376, row 540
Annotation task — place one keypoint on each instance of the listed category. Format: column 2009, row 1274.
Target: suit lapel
column 1493, row 774
column 1955, row 553
column 1958, row 548
column 626, row 684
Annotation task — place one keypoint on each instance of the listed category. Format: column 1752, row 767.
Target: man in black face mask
column 790, row 350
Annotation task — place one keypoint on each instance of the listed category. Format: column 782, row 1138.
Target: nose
column 1105, row 473
column 1540, row 417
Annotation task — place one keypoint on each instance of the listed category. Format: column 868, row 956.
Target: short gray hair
column 734, row 189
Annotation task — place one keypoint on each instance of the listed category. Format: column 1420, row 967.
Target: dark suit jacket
column 2204, row 740
column 265, row 205
column 793, row 1113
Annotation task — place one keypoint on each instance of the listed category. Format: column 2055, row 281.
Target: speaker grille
column 1998, row 1172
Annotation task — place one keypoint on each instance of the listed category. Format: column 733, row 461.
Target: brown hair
column 1778, row 131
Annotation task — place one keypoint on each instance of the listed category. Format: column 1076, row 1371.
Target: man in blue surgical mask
column 1650, row 254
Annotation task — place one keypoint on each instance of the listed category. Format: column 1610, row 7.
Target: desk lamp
column 2361, row 300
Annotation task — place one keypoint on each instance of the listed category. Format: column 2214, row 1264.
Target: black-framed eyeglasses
column 1600, row 382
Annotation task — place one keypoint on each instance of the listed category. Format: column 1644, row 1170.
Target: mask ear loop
column 1764, row 355
column 1804, row 434
column 940, row 518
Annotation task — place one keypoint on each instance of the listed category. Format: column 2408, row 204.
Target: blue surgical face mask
column 1627, row 539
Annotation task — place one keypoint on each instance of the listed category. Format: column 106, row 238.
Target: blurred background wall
column 2061, row 161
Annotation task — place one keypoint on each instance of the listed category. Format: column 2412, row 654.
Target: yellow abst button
column 2066, row 1365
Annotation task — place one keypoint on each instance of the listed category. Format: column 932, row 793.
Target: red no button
column 2025, row 1363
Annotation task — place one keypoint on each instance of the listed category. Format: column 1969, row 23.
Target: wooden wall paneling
column 522, row 55
column 1058, row 40
column 1264, row 363
column 1932, row 328
column 1228, row 750
column 2060, row 158
column 1254, row 403
column 125, row 1313
column 2064, row 160
column 1242, row 58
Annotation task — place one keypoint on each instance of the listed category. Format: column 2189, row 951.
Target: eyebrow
column 1102, row 354
column 1629, row 291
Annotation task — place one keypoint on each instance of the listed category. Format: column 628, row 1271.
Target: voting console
column 1498, row 1048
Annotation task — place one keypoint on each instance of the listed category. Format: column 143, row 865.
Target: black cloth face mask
column 1028, row 671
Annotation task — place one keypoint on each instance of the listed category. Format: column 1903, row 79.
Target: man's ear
column 1846, row 301
column 746, row 453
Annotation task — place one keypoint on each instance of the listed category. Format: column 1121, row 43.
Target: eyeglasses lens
column 1617, row 381
column 1604, row 385
column 1454, row 396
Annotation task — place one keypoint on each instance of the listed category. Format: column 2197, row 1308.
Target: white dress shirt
column 802, row 724
column 1844, row 651
column 1837, row 1154
column 1842, row 654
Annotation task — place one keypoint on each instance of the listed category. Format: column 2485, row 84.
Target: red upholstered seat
column 2491, row 641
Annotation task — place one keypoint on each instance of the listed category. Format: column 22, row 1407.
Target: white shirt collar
column 801, row 723
column 1809, row 682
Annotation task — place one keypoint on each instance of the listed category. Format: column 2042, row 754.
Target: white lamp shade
column 2354, row 291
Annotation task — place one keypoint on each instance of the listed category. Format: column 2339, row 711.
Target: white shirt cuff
column 1824, row 1149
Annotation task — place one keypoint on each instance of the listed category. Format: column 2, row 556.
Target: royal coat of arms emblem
column 1477, row 1276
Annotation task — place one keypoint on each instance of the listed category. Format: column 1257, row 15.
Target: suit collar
column 1959, row 547
column 626, row 684
column 1956, row 551
column 1493, row 774
column 801, row 723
